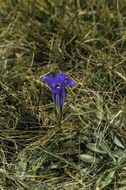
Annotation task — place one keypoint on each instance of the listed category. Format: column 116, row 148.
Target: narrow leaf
column 89, row 159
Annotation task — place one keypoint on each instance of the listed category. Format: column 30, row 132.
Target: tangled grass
column 86, row 40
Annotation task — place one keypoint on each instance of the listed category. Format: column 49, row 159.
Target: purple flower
column 57, row 86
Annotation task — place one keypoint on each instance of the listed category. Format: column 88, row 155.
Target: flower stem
column 60, row 116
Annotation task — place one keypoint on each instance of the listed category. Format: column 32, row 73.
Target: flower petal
column 69, row 82
column 62, row 96
column 56, row 99
column 55, row 90
column 60, row 78
column 50, row 81
column 59, row 98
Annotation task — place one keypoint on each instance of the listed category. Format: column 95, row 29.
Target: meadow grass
column 86, row 40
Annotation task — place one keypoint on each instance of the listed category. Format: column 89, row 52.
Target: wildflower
column 57, row 86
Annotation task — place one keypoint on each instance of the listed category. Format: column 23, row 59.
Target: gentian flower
column 57, row 86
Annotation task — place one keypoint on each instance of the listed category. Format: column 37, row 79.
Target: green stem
column 60, row 116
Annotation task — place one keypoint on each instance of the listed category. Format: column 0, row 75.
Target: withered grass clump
column 86, row 40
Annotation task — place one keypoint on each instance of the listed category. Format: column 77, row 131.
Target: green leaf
column 99, row 111
column 21, row 166
column 89, row 159
column 105, row 180
column 105, row 147
column 94, row 148
column 118, row 142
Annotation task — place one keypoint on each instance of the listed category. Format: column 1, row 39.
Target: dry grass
column 86, row 40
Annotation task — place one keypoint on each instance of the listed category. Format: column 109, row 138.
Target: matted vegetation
column 86, row 40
